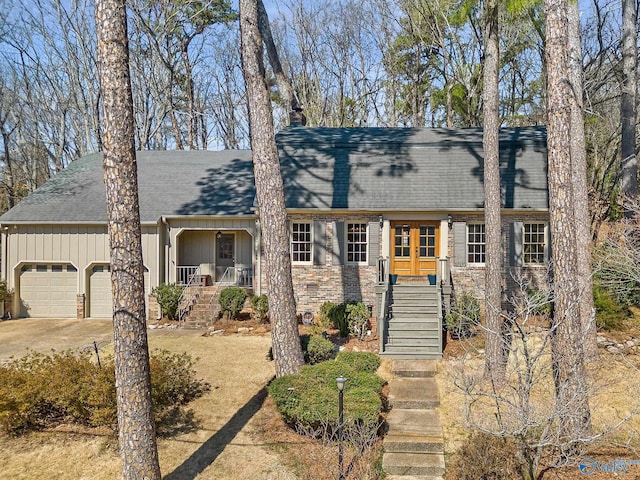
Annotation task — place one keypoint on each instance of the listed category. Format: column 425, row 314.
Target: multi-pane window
column 301, row 242
column 534, row 243
column 475, row 243
column 427, row 241
column 356, row 242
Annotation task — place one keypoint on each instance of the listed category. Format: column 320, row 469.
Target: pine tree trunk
column 628, row 101
column 136, row 428
column 495, row 359
column 572, row 396
column 580, row 188
column 270, row 197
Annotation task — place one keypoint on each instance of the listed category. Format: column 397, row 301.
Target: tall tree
column 572, row 397
column 579, row 180
column 270, row 197
column 628, row 100
column 136, row 428
column 495, row 359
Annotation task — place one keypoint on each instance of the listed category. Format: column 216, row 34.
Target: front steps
column 414, row 330
column 414, row 444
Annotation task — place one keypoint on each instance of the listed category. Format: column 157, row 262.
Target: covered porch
column 210, row 256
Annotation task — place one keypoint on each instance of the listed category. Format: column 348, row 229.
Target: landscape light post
column 341, row 380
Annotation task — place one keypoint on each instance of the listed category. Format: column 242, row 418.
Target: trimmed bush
column 325, row 319
column 610, row 314
column 318, row 350
column 309, row 398
column 260, row 306
column 357, row 319
column 232, row 300
column 360, row 361
column 168, row 296
column 40, row 391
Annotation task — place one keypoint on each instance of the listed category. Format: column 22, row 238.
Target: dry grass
column 614, row 402
column 222, row 446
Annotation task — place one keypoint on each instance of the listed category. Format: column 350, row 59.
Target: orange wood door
column 414, row 247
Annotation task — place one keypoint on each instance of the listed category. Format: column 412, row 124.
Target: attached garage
column 100, row 301
column 48, row 290
column 100, row 292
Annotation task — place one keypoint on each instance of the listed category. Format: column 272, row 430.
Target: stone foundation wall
column 80, row 306
column 153, row 308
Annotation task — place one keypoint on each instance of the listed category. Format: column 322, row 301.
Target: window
column 301, row 242
column 534, row 243
column 427, row 241
column 356, row 242
column 475, row 243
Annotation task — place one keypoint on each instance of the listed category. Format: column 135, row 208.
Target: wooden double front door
column 414, row 247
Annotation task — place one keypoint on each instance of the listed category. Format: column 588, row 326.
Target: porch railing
column 383, row 310
column 185, row 274
column 190, row 293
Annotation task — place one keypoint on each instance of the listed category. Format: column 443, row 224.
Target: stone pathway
column 414, row 445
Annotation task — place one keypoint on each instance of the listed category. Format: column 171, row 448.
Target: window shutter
column 547, row 244
column 319, row 243
column 338, row 244
column 374, row 242
column 516, row 257
column 459, row 244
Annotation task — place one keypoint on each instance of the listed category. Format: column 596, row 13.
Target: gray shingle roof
column 323, row 168
column 408, row 169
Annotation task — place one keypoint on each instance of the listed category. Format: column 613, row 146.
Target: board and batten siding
column 79, row 245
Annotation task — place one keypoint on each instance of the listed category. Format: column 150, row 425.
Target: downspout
column 165, row 245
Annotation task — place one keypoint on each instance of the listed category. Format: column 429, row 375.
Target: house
column 365, row 205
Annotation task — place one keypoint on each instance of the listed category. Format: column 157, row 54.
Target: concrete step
column 413, row 463
column 414, row 422
column 429, row 343
column 414, row 324
column 416, row 310
column 413, row 444
column 413, row 393
column 414, row 368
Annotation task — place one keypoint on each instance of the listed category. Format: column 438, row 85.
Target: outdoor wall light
column 450, row 220
column 381, row 221
column 219, row 235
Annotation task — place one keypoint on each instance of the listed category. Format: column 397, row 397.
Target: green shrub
column 168, row 296
column 325, row 318
column 464, row 315
column 318, row 350
column 39, row 391
column 232, row 300
column 357, row 319
column 260, row 306
column 309, row 398
column 539, row 301
column 360, row 361
column 610, row 314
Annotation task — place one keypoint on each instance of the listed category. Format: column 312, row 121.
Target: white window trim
column 301, row 262
column 545, row 245
column 346, row 241
column 475, row 264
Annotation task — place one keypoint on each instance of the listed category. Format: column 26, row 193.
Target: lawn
column 222, row 444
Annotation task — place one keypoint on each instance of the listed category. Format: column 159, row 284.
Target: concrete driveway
column 43, row 334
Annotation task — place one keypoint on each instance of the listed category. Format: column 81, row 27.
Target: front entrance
column 225, row 254
column 414, row 248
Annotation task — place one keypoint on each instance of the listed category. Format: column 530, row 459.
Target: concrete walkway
column 413, row 445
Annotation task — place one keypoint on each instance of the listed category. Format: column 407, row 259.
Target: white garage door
column 100, row 292
column 100, row 301
column 48, row 291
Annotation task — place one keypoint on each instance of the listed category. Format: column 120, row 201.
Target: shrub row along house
column 389, row 217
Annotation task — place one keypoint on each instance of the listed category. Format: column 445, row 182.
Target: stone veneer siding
column 331, row 281
column 471, row 278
